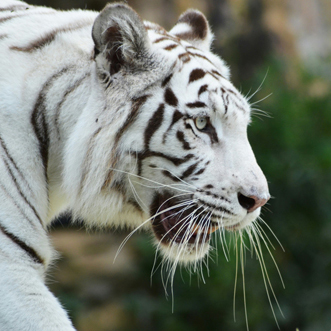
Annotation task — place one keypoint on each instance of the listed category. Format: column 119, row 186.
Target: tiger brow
column 196, row 104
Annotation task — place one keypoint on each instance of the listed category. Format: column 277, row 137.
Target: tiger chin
column 125, row 125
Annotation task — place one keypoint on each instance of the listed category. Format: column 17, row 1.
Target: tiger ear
column 120, row 38
column 193, row 27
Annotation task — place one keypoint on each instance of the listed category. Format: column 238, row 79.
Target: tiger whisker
column 147, row 179
column 158, row 186
column 236, row 278
column 243, row 276
column 222, row 238
column 268, row 227
column 263, row 233
column 266, row 279
column 183, row 181
column 259, row 87
column 258, row 229
column 137, row 197
column 259, row 112
column 256, row 102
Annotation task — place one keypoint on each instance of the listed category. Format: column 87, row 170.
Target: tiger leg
column 26, row 304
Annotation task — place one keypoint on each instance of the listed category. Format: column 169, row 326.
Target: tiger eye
column 201, row 122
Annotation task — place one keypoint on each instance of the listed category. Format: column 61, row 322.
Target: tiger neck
column 75, row 96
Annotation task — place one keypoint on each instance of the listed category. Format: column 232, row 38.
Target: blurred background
column 286, row 43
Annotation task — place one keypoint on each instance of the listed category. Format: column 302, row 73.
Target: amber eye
column 201, row 122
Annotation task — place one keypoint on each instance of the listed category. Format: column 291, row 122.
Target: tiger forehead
column 205, row 93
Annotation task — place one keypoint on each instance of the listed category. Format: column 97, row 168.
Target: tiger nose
column 252, row 202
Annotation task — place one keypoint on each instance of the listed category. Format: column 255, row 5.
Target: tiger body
column 123, row 124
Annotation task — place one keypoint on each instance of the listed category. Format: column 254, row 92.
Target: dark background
column 288, row 43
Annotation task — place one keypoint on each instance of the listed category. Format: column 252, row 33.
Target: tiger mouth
column 176, row 222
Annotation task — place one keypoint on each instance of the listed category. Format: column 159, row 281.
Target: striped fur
column 123, row 124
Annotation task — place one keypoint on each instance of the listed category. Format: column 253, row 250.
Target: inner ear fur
column 120, row 37
column 193, row 27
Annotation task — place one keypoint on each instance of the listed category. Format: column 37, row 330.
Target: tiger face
column 179, row 162
column 198, row 172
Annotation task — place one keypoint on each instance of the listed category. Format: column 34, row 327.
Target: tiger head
column 166, row 147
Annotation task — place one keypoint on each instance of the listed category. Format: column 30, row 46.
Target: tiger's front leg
column 26, row 303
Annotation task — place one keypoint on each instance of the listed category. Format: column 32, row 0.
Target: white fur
column 86, row 159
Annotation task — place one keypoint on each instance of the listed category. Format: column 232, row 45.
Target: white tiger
column 122, row 123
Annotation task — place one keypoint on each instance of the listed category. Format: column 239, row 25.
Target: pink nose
column 252, row 202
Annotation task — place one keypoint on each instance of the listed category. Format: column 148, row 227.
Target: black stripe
column 200, row 56
column 236, row 96
column 169, row 175
column 170, row 98
column 197, row 104
column 4, row 146
column 166, row 80
column 167, row 37
column 170, row 47
column 212, row 133
column 189, row 171
column 202, row 89
column 196, row 74
column 239, row 107
column 161, row 39
column 217, row 73
column 180, row 137
column 177, row 115
column 175, row 160
column 38, row 119
column 49, row 37
column 153, row 124
column 202, row 170
column 16, row 205
column 64, row 98
column 29, row 250
column 234, row 93
column 216, row 208
column 225, row 98
column 21, row 192
column 215, row 196
column 136, row 104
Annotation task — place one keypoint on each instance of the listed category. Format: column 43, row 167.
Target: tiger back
column 124, row 125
